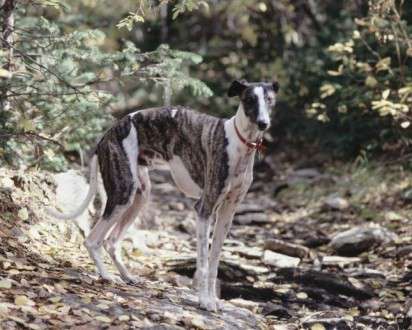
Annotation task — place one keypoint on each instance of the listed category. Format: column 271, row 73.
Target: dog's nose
column 262, row 125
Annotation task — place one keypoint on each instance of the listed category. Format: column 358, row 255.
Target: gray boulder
column 359, row 239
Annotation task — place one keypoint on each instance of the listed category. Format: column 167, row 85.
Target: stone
column 339, row 261
column 279, row 260
column 251, row 218
column 290, row 249
column 276, row 310
column 247, row 304
column 359, row 239
column 23, row 214
column 336, row 203
column 71, row 190
column 177, row 206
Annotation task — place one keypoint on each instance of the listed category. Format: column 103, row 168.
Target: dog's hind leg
column 94, row 241
column 113, row 243
column 118, row 167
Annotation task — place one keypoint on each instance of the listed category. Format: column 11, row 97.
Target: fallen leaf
column 5, row 284
column 317, row 326
column 103, row 318
column 124, row 318
column 23, row 301
column 302, row 295
column 55, row 299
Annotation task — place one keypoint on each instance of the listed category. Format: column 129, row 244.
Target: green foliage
column 343, row 67
column 370, row 79
column 64, row 82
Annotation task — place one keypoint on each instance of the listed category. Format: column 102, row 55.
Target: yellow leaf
column 262, row 7
column 55, row 299
column 102, row 306
column 23, row 214
column 383, row 64
column 302, row 295
column 5, row 284
column 317, row 326
column 327, row 90
column 23, row 301
column 5, row 74
column 124, row 318
column 371, row 81
column 386, row 93
column 4, row 309
column 249, row 34
column 103, row 318
column 26, row 125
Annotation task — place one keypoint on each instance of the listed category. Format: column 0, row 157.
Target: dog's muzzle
column 262, row 125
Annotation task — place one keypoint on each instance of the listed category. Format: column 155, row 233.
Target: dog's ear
column 236, row 88
column 275, row 86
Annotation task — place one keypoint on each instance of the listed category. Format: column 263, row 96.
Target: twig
column 31, row 135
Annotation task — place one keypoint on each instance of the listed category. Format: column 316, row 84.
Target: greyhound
column 210, row 159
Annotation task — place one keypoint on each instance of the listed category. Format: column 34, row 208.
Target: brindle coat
column 207, row 159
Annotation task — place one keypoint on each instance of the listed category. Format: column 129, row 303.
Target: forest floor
column 280, row 268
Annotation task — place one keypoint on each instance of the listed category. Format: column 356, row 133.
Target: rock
column 339, row 261
column 336, row 203
column 315, row 240
column 177, row 206
column 71, row 190
column 404, row 251
column 276, row 310
column 247, row 304
column 188, row 225
column 292, row 250
column 328, row 323
column 6, row 184
column 279, row 260
column 23, row 214
column 393, row 216
column 246, row 251
column 247, row 214
column 407, row 194
column 308, row 173
column 359, row 239
column 251, row 218
column 254, row 270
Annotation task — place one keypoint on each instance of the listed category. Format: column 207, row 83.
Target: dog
column 210, row 159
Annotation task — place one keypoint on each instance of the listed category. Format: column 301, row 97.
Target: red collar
column 258, row 145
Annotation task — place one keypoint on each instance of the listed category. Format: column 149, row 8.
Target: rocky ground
column 312, row 247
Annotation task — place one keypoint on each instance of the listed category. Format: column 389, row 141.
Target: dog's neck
column 248, row 130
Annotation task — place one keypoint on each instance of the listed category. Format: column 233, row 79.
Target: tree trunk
column 6, row 44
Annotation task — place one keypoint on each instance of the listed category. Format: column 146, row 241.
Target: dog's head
column 257, row 100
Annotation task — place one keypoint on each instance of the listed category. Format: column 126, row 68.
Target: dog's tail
column 91, row 193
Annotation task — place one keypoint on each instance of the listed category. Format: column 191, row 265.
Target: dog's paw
column 209, row 305
column 110, row 278
column 131, row 280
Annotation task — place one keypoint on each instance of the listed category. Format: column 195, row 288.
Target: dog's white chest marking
column 240, row 160
column 183, row 179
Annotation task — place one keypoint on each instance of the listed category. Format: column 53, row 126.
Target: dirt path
column 47, row 280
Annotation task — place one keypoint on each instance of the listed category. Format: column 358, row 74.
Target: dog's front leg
column 202, row 262
column 222, row 226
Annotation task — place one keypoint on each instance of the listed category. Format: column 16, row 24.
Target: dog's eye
column 270, row 99
column 249, row 99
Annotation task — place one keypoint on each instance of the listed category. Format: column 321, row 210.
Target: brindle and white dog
column 210, row 159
